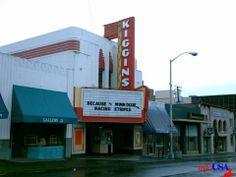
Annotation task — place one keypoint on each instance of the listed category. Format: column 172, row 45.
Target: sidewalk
column 16, row 166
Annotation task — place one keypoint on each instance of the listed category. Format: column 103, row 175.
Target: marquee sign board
column 112, row 103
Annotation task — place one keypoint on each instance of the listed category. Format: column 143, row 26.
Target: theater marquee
column 112, row 103
column 107, row 105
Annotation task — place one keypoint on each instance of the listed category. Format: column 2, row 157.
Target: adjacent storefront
column 39, row 119
column 157, row 130
column 188, row 121
column 222, row 122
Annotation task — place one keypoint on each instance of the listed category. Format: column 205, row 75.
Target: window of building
column 100, row 79
column 150, row 143
column 110, row 80
column 192, row 140
column 220, row 126
column 215, row 125
column 138, row 137
column 232, row 139
column 30, row 140
column 176, row 137
column 100, row 68
column 110, row 68
column 224, row 126
column 231, row 124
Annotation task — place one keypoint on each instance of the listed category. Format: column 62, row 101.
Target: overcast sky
column 164, row 29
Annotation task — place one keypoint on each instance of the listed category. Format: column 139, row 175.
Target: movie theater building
column 74, row 67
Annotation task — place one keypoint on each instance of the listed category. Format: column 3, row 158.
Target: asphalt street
column 136, row 169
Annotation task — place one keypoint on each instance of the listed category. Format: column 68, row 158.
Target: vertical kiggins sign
column 124, row 31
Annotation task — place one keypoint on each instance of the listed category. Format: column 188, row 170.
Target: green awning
column 31, row 105
column 185, row 111
column 3, row 109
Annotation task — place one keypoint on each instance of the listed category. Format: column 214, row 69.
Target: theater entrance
column 113, row 138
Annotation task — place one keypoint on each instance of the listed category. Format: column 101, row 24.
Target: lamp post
column 171, row 110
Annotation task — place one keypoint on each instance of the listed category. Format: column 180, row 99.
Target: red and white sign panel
column 112, row 103
column 124, row 31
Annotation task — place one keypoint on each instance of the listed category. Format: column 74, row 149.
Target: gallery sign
column 124, row 31
column 112, row 103
column 52, row 120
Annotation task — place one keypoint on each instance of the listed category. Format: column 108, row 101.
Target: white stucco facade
column 59, row 71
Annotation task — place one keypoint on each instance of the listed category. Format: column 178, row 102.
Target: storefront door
column 207, row 145
column 192, row 138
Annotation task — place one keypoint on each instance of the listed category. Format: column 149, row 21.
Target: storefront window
column 31, row 140
column 232, row 140
column 224, row 126
column 222, row 144
column 207, row 144
column 191, row 134
column 231, row 123
column 215, row 124
column 150, row 141
column 176, row 137
column 110, row 80
column 220, row 126
column 138, row 137
column 35, row 136
column 100, row 80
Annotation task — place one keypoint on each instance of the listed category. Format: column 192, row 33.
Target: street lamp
column 171, row 110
